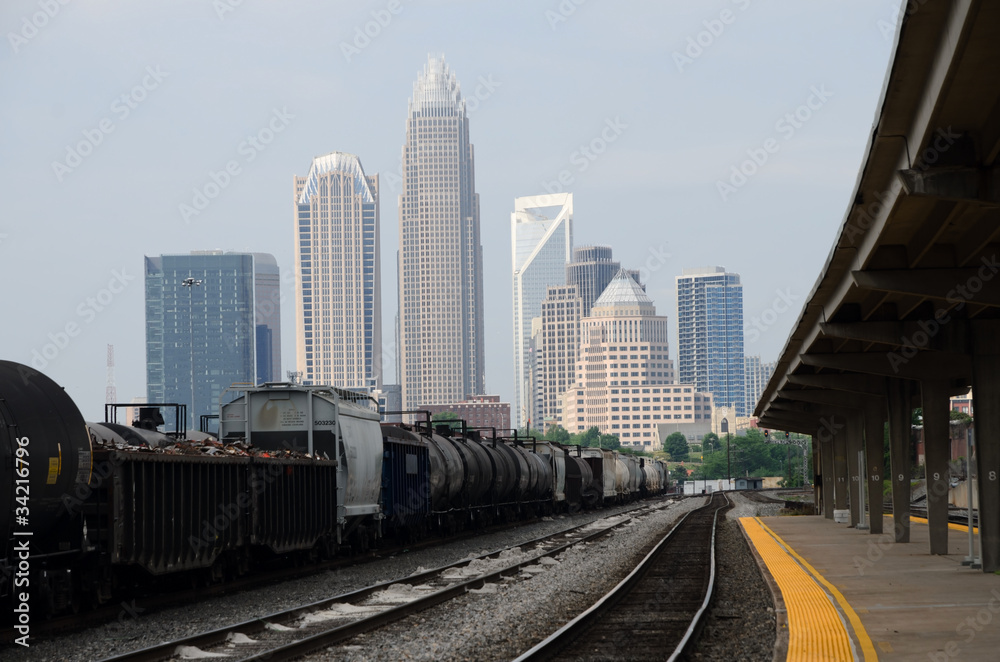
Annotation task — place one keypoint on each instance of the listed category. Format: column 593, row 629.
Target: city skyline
column 214, row 128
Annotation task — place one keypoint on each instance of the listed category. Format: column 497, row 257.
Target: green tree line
column 749, row 454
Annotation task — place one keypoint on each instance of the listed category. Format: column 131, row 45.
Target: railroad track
column 291, row 633
column 955, row 515
column 656, row 611
column 202, row 588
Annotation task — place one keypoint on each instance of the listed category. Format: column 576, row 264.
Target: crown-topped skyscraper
column 440, row 256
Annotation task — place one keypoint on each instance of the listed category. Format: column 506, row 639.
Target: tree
column 710, row 442
column 609, row 441
column 679, row 474
column 961, row 416
column 445, row 416
column 557, row 434
column 591, row 437
column 676, row 446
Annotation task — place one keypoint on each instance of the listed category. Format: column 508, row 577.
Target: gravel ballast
column 523, row 610
column 740, row 623
column 497, row 623
column 138, row 628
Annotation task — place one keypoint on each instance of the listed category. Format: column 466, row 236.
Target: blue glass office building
column 221, row 329
column 710, row 335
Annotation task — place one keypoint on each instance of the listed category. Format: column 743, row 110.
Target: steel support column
column 826, row 467
column 900, row 420
column 855, row 444
column 937, row 442
column 817, row 476
column 986, row 416
column 875, row 457
column 841, row 480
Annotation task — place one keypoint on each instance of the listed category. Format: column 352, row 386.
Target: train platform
column 847, row 594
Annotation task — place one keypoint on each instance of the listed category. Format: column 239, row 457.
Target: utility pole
column 191, row 283
column 788, row 471
column 111, row 392
column 729, row 460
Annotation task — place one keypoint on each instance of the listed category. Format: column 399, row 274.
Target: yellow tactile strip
column 815, row 630
column 951, row 525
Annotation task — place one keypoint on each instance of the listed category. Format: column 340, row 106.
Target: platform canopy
column 912, row 283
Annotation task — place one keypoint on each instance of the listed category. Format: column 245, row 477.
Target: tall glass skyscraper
column 710, row 335
column 591, row 270
column 212, row 320
column 440, row 256
column 541, row 233
column 338, row 311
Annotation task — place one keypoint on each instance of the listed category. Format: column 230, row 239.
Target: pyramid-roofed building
column 624, row 375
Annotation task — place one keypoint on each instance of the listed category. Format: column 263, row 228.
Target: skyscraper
column 755, row 375
column 267, row 317
column 624, row 376
column 338, row 311
column 440, row 256
column 541, row 234
column 591, row 270
column 556, row 347
column 212, row 320
column 710, row 335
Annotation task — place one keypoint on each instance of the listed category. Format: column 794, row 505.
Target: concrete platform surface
column 914, row 606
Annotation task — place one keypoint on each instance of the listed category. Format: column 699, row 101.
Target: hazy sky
column 642, row 108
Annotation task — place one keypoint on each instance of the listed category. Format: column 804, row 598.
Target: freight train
column 297, row 473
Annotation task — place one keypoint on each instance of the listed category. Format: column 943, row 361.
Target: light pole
column 729, row 460
column 191, row 283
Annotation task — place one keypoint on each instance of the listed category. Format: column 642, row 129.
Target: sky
column 691, row 133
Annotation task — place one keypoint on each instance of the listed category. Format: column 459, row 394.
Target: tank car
column 45, row 455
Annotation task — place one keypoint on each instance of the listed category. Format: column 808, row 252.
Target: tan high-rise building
column 624, row 375
column 338, row 306
column 440, row 256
